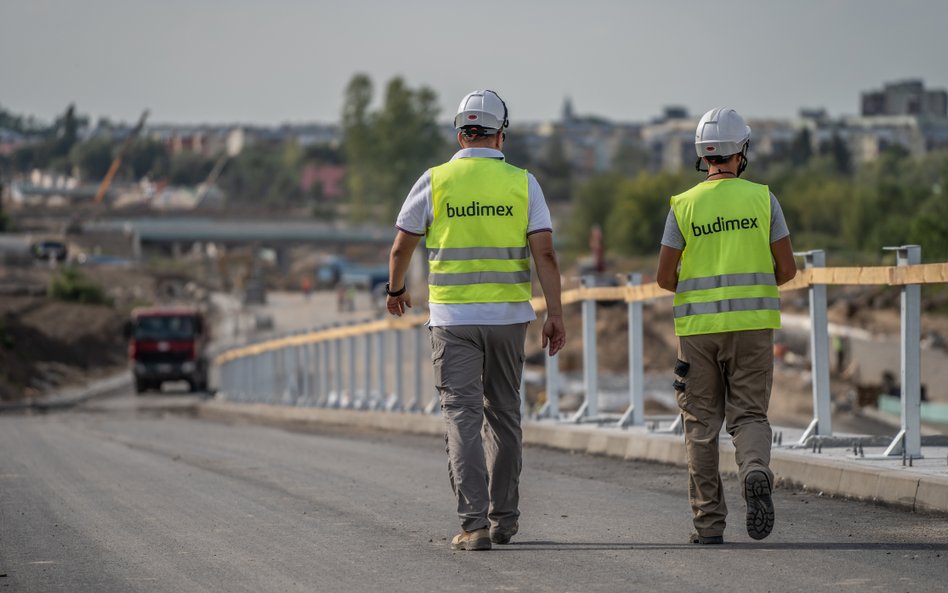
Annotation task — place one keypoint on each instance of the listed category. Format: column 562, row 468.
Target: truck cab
column 167, row 344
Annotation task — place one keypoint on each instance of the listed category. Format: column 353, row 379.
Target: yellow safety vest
column 726, row 282
column 477, row 241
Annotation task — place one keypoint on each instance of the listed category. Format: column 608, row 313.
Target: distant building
column 907, row 97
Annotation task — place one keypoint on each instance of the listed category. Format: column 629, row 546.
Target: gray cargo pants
column 477, row 370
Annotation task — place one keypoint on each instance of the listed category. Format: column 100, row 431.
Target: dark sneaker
column 479, row 539
column 502, row 536
column 706, row 539
column 760, row 505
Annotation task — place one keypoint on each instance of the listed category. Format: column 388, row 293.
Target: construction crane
column 117, row 162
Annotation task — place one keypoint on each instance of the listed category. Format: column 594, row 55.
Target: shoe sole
column 760, row 505
column 706, row 541
column 472, row 545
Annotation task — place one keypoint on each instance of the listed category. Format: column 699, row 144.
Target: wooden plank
column 862, row 275
column 935, row 273
column 646, row 292
column 921, row 274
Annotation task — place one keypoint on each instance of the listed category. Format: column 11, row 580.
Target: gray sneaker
column 760, row 505
column 502, row 536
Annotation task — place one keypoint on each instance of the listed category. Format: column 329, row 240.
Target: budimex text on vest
column 477, row 209
column 720, row 224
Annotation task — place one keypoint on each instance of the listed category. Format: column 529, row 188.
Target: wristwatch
column 395, row 293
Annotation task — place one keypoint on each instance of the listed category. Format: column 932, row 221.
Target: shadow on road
column 524, row 546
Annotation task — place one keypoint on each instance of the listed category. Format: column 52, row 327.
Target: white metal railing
column 320, row 368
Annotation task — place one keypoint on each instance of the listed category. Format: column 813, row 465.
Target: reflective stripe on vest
column 726, row 282
column 464, row 253
column 477, row 240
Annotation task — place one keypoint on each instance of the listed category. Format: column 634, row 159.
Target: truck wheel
column 141, row 386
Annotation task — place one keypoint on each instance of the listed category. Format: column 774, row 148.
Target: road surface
column 123, row 496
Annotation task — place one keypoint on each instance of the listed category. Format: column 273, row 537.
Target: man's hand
column 396, row 305
column 554, row 334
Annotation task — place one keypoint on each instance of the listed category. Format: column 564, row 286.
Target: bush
column 6, row 340
column 71, row 285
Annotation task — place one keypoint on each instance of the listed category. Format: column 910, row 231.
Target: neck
column 721, row 173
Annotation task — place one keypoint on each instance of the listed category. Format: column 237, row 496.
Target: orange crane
column 113, row 169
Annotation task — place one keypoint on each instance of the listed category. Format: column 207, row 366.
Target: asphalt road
column 121, row 496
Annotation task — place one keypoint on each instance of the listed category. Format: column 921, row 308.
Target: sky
column 276, row 61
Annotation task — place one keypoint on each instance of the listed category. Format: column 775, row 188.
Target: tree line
column 850, row 211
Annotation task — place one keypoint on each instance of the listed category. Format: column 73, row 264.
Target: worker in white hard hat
column 725, row 250
column 482, row 219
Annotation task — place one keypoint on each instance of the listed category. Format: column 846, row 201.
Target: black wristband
column 397, row 292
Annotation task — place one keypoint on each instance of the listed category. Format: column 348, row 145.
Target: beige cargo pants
column 477, row 370
column 725, row 377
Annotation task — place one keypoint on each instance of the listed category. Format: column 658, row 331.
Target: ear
column 460, row 139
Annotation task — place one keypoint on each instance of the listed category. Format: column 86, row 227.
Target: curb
column 72, row 396
column 911, row 490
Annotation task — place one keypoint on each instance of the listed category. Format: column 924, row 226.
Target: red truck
column 167, row 344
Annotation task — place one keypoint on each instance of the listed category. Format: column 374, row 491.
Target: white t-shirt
column 416, row 216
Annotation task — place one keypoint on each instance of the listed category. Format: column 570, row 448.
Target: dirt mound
column 45, row 343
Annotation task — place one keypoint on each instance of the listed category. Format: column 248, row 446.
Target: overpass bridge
column 177, row 234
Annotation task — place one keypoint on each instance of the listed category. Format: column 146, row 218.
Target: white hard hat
column 721, row 131
column 484, row 109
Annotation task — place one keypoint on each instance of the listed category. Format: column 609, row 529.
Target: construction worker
column 481, row 218
column 732, row 242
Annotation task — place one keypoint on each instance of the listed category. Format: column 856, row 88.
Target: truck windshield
column 165, row 327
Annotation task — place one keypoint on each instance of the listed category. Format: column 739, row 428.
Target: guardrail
column 307, row 368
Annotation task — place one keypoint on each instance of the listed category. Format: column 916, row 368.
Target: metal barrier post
column 290, row 362
column 909, row 440
column 399, row 399
column 367, row 397
column 272, row 377
column 352, row 372
column 822, row 423
column 337, row 375
column 383, row 387
column 325, row 372
column 589, row 408
column 305, row 369
column 635, row 415
column 552, row 407
column 415, row 405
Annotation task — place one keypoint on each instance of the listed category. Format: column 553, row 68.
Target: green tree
column 593, row 205
column 189, row 168
column 635, row 224
column 407, row 141
column 93, row 158
column 387, row 150
column 147, row 157
column 553, row 170
column 359, row 145
column 801, row 148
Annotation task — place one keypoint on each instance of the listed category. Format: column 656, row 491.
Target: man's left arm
column 548, row 271
column 667, row 274
column 785, row 267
